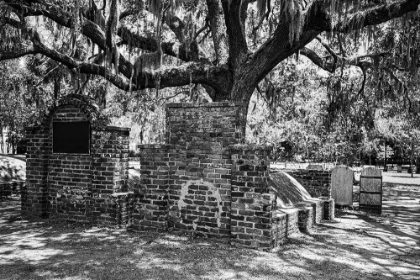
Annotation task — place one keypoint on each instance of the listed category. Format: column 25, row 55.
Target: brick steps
column 300, row 217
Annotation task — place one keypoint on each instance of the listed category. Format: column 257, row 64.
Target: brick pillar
column 34, row 193
column 251, row 201
column 199, row 136
column 151, row 197
column 109, row 170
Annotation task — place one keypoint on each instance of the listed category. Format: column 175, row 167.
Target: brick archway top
column 85, row 103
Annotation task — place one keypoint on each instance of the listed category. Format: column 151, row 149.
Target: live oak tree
column 226, row 46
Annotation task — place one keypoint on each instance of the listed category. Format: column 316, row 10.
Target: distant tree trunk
column 1, row 140
column 412, row 157
column 385, row 168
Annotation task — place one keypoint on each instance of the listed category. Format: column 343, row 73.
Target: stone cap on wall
column 307, row 171
column 153, row 146
column 211, row 104
column 97, row 128
column 111, row 128
column 250, row 147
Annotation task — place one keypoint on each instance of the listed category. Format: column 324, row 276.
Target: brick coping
column 247, row 147
column 96, row 128
column 212, row 104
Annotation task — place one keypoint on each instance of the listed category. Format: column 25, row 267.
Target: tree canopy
column 228, row 46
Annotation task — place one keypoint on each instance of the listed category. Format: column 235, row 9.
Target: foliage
column 382, row 153
column 226, row 46
column 128, row 54
column 145, row 113
column 22, row 98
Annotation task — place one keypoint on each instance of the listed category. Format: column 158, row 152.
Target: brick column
column 109, row 170
column 34, row 193
column 151, row 197
column 199, row 136
column 251, row 201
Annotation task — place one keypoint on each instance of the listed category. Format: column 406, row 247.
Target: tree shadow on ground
column 359, row 247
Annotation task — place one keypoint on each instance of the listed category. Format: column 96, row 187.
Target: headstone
column 370, row 197
column 342, row 185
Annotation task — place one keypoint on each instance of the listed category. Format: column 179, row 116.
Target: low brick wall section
column 284, row 222
column 316, row 182
column 329, row 208
column 11, row 187
column 150, row 210
column 117, row 210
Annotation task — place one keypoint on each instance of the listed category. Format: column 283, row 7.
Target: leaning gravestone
column 342, row 185
column 370, row 198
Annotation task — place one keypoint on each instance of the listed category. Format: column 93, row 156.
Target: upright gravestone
column 370, row 198
column 342, row 185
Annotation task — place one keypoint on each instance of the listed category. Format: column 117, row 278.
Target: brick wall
column 202, row 180
column 150, row 210
column 77, row 187
column 109, row 167
column 69, row 175
column 34, row 193
column 316, row 182
column 252, row 202
column 284, row 223
column 205, row 181
column 199, row 137
column 187, row 182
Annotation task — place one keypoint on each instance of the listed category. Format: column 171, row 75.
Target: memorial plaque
column 370, row 197
column 71, row 137
column 342, row 185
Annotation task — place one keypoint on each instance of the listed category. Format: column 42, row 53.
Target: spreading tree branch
column 181, row 51
column 322, row 21
column 16, row 53
column 235, row 31
column 88, row 28
column 216, row 77
column 218, row 31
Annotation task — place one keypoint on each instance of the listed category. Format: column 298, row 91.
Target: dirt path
column 357, row 246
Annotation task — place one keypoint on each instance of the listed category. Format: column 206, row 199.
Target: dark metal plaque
column 71, row 137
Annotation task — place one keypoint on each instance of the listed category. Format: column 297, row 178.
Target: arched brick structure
column 83, row 187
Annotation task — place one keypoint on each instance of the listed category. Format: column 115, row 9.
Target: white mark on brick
column 213, row 192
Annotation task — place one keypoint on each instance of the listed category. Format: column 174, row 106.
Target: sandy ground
column 356, row 246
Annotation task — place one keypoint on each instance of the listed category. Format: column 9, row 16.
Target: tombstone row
column 370, row 194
